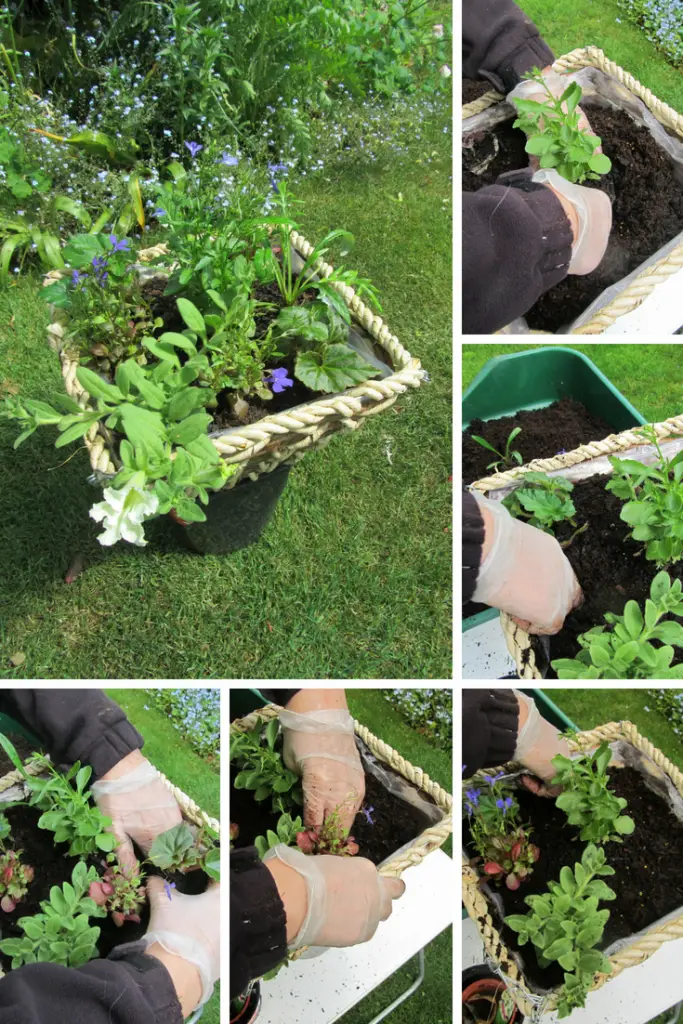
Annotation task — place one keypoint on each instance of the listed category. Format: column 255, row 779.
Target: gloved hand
column 557, row 84
column 590, row 214
column 319, row 746
column 524, row 572
column 538, row 742
column 138, row 803
column 188, row 927
column 347, row 898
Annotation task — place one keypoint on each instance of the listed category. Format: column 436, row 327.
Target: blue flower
column 492, row 779
column 275, row 169
column 119, row 246
column 279, row 380
column 194, row 148
column 366, row 811
column 167, row 888
column 228, row 160
column 504, row 805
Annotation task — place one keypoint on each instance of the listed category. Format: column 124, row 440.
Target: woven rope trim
column 282, row 437
column 518, row 641
column 643, row 949
column 647, row 281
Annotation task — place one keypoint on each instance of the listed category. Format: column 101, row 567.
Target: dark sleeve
column 75, row 725
column 500, row 43
column 490, row 723
column 136, row 990
column 472, row 543
column 278, row 695
column 258, row 926
column 516, row 245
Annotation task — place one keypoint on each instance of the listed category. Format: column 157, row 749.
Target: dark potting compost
column 647, row 207
column 473, row 88
column 562, row 426
column 609, row 565
column 52, row 867
column 395, row 822
column 648, row 880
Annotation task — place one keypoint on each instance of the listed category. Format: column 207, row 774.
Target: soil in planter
column 53, row 868
column 647, row 208
column 472, row 89
column 562, row 426
column 611, row 568
column 648, row 880
column 395, row 822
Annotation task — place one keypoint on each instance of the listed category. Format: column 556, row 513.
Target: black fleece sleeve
column 258, row 925
column 516, row 245
column 134, row 990
column 500, row 43
column 490, row 723
column 278, row 695
column 75, row 725
column 472, row 543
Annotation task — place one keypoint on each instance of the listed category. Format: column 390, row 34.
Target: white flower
column 124, row 512
column 445, row 71
column 437, row 31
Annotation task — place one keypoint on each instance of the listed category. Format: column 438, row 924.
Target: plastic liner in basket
column 605, row 91
column 624, row 754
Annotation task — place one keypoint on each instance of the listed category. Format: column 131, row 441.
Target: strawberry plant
column 543, row 501
column 586, row 798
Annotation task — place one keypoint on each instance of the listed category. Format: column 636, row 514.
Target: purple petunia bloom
column 279, row 380
column 167, row 888
column 228, row 160
column 194, row 148
column 366, row 811
column 119, row 246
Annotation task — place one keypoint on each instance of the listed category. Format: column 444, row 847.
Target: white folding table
column 322, row 989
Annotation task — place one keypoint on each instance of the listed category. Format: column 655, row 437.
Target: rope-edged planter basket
column 642, row 948
column 280, row 438
column 519, row 643
column 657, row 273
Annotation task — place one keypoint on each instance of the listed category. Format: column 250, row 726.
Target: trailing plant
column 180, row 849
column 498, row 836
column 330, row 838
column 287, row 831
column 14, row 876
column 506, row 458
column 565, row 924
column 263, row 770
column 586, row 798
column 67, row 809
column 120, row 891
column 654, row 501
column 624, row 649
column 554, row 136
column 62, row 933
column 544, row 501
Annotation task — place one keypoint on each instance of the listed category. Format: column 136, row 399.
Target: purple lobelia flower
column 119, row 246
column 366, row 811
column 472, row 801
column 504, row 805
column 229, row 161
column 273, row 170
column 194, row 148
column 77, row 277
column 279, row 380
column 167, row 888
column 492, row 779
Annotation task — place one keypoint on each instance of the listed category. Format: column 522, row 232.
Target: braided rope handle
column 651, row 277
column 286, row 435
column 489, row 99
column 646, row 945
column 518, row 641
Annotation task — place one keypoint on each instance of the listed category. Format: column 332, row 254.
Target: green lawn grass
column 648, row 375
column 352, row 578
column 569, row 24
column 432, row 1003
column 175, row 758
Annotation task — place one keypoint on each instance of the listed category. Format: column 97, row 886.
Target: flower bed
column 428, row 711
column 195, row 713
column 70, row 901
column 601, row 890
column 643, row 182
column 662, row 22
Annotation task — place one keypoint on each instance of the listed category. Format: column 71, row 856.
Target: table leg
column 408, row 992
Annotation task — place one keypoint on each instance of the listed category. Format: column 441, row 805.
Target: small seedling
column 287, row 830
column 626, row 650
column 586, row 798
column 329, row 838
column 544, row 501
column 121, row 892
column 554, row 136
column 654, row 501
column 565, row 924
column 180, row 849
column 506, row 458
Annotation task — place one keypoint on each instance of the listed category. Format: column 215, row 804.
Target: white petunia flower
column 124, row 511
column 437, row 31
column 445, row 71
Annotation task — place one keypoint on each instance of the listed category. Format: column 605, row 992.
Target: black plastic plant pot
column 486, row 999
column 236, row 517
column 248, row 1006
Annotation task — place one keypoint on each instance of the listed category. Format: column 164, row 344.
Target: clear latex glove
column 593, row 211
column 524, row 572
column 319, row 746
column 538, row 742
column 347, row 898
column 140, row 807
column 530, row 90
column 188, row 927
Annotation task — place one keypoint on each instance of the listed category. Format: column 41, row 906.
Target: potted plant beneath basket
column 569, row 931
column 187, row 378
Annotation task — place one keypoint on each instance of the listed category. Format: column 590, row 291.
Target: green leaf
column 192, row 317
column 212, row 864
column 335, row 369
column 633, row 619
column 537, row 145
column 271, row 734
column 74, row 432
column 96, row 387
column 75, row 209
column 170, row 848
column 190, row 429
column 600, row 163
